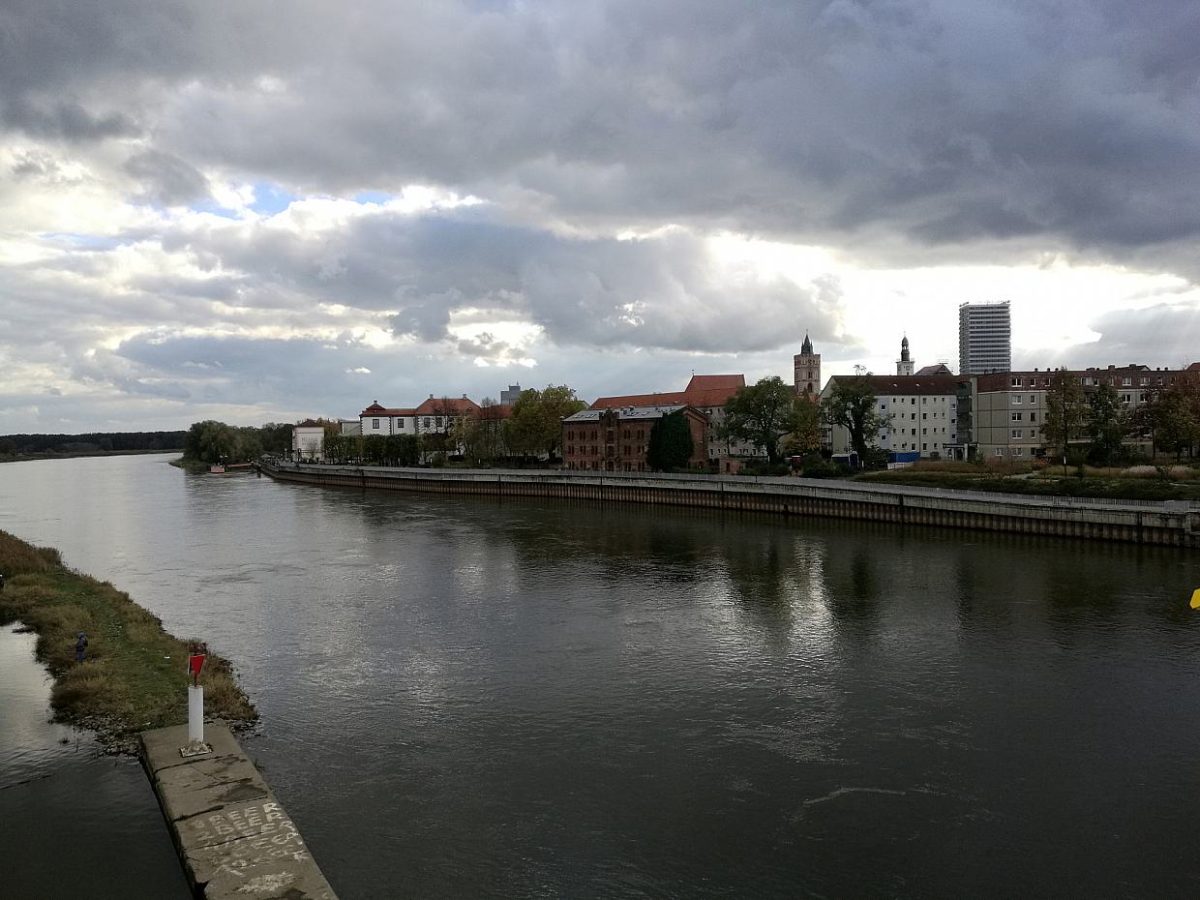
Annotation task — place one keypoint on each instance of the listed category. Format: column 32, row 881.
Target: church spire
column 806, row 347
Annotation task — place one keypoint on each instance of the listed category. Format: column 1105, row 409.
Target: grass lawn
column 134, row 675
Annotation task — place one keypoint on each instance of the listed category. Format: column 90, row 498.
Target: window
column 1033, row 417
column 1126, row 381
column 1017, row 451
column 999, row 451
column 1016, row 399
column 1015, row 417
column 400, row 424
column 1016, row 432
column 924, row 415
column 1016, row 382
column 426, row 422
column 374, row 423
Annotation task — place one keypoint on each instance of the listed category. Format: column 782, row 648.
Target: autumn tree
column 1066, row 411
column 805, row 434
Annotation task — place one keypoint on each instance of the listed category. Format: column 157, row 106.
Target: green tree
column 482, row 435
column 1175, row 420
column 276, row 437
column 761, row 414
column 670, row 445
column 1107, row 425
column 1066, row 412
column 851, row 405
column 535, row 426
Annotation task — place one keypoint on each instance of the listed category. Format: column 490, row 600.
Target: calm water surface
column 465, row 698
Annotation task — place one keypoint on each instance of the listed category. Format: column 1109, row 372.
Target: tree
column 1174, row 418
column 761, row 414
column 805, row 434
column 535, row 426
column 482, row 435
column 851, row 405
column 670, row 445
column 1066, row 411
column 1107, row 425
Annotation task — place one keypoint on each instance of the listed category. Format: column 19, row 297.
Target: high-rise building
column 984, row 338
column 806, row 369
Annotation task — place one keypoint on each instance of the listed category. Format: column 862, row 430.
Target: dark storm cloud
column 663, row 292
column 67, row 120
column 1076, row 122
column 166, row 179
column 1167, row 334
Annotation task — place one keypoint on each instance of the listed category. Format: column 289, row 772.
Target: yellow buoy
column 1196, row 599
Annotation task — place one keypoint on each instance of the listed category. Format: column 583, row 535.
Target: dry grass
column 134, row 676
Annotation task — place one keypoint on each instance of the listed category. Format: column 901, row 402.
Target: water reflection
column 513, row 698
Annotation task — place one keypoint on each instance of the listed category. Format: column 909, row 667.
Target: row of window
column 425, row 423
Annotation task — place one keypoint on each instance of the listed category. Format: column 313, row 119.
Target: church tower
column 807, row 369
column 904, row 365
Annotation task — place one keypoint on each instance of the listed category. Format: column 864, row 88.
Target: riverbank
column 134, row 675
column 1169, row 523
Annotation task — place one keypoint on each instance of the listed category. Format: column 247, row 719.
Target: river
column 463, row 697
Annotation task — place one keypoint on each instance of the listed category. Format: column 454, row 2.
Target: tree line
column 94, row 442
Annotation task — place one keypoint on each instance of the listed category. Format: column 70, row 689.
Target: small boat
column 216, row 469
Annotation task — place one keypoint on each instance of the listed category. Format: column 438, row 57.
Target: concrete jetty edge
column 233, row 836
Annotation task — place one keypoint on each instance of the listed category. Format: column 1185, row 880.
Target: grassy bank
column 1110, row 484
column 134, row 675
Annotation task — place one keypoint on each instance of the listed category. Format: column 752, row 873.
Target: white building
column 984, row 338
column 308, row 440
column 920, row 414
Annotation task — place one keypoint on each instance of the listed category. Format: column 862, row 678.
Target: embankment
column 1170, row 523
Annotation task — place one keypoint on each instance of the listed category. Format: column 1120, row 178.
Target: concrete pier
column 233, row 836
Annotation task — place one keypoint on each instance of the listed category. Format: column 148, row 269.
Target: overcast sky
column 257, row 211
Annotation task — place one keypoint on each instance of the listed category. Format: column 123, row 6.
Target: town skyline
column 261, row 222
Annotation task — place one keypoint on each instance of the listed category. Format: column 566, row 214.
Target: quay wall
column 1170, row 523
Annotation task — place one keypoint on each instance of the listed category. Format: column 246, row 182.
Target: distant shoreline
column 30, row 457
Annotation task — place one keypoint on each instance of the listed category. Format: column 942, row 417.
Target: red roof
column 447, row 406
column 703, row 391
column 731, row 383
column 1194, row 367
column 376, row 410
column 309, row 423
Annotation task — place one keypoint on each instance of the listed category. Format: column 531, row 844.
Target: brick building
column 616, row 439
column 707, row 394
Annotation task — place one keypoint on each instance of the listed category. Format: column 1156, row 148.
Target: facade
column 705, row 393
column 436, row 417
column 1010, row 407
column 806, row 370
column 984, row 338
column 509, row 397
column 308, row 440
column 920, row 412
column 615, row 439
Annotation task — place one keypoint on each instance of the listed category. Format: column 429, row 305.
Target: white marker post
column 196, row 745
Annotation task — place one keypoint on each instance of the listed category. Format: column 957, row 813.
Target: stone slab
column 232, row 834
